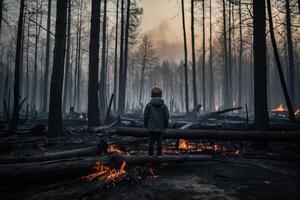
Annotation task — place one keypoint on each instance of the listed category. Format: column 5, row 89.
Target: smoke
column 166, row 41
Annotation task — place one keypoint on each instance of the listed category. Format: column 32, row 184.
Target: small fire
column 280, row 108
column 217, row 108
column 106, row 173
column 113, row 149
column 183, row 144
column 297, row 113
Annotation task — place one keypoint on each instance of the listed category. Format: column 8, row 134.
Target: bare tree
column 67, row 70
column 116, row 58
column 103, row 64
column 193, row 54
column 93, row 103
column 185, row 59
column 290, row 51
column 203, row 56
column 260, row 72
column 46, row 78
column 15, row 117
column 279, row 67
column 211, row 78
column 55, row 125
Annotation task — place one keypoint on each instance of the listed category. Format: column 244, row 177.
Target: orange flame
column 183, row 144
column 113, row 149
column 106, row 173
column 280, row 108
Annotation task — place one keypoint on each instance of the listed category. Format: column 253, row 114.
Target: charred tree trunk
column 55, row 125
column 15, row 117
column 225, row 60
column 103, row 64
column 203, row 57
column 27, row 60
column 290, row 51
column 1, row 15
column 121, row 69
column 116, row 58
column 279, row 67
column 93, row 103
column 229, row 56
column 193, row 54
column 67, row 71
column 260, row 72
column 126, row 55
column 211, row 78
column 46, row 78
column 37, row 36
column 185, row 60
column 240, row 55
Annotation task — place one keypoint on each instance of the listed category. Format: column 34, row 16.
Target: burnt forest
column 150, row 99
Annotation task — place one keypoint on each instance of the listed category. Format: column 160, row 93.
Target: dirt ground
column 230, row 179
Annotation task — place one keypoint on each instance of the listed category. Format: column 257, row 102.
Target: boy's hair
column 156, row 92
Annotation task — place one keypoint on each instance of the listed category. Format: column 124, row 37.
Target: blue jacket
column 156, row 115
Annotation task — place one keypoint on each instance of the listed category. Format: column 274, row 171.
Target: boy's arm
column 166, row 122
column 146, row 116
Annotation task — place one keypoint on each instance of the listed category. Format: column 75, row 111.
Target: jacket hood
column 156, row 101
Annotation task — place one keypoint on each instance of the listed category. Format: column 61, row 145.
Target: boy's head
column 156, row 92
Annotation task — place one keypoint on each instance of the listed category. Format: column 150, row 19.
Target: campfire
column 280, row 108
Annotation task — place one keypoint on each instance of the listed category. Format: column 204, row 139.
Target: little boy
column 156, row 119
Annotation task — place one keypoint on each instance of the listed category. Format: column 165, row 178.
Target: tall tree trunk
column 193, row 54
column 203, row 56
column 93, row 103
column 290, row 51
column 260, row 72
column 15, row 117
column 55, row 125
column 226, row 75
column 27, row 59
column 1, row 15
column 279, row 67
column 240, row 55
column 46, row 78
column 103, row 64
column 121, row 69
column 116, row 58
column 78, row 88
column 229, row 57
column 126, row 54
column 211, row 78
column 37, row 35
column 67, row 72
column 185, row 60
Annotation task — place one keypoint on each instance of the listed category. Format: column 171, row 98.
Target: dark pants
column 155, row 137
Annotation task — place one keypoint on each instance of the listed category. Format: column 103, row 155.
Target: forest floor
column 272, row 173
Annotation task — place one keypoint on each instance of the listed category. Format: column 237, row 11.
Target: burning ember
column 217, row 108
column 106, row 173
column 183, row 144
column 297, row 113
column 280, row 108
column 113, row 149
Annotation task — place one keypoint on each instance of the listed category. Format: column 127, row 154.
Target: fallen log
column 207, row 116
column 225, row 135
column 49, row 170
column 67, row 168
column 89, row 151
column 117, row 159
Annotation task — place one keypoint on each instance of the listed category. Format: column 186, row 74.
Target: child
column 156, row 119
